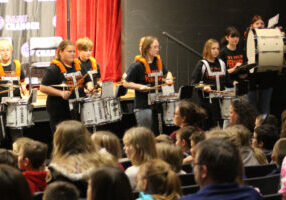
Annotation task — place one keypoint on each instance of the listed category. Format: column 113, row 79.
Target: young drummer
column 84, row 48
column 212, row 71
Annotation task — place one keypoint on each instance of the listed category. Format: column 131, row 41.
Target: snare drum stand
column 156, row 75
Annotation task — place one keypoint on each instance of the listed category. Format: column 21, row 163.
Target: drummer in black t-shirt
column 10, row 68
column 140, row 78
column 233, row 57
column 62, row 70
column 84, row 48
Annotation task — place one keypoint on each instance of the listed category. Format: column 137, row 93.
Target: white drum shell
column 169, row 108
column 18, row 115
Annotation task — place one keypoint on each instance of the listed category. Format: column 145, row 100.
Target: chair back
column 277, row 196
column 258, row 170
column 190, row 189
column 266, row 184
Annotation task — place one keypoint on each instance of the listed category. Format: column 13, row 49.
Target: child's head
column 6, row 50
column 195, row 138
column 257, row 22
column 232, row 35
column 155, row 177
column 279, row 151
column 19, row 143
column 211, row 49
column 84, row 47
column 264, row 137
column 182, row 137
column 171, row 154
column 32, row 156
column 61, row 190
column 139, row 145
column 8, row 158
column 163, row 138
column 109, row 141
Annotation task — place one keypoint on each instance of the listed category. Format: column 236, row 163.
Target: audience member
column 216, row 167
column 139, row 146
column 19, row 142
column 278, row 153
column 243, row 113
column 164, row 138
column 241, row 137
column 31, row 160
column 264, row 137
column 109, row 183
column 74, row 155
column 110, row 142
column 61, row 190
column 8, row 158
column 171, row 154
column 266, row 119
column 195, row 138
column 13, row 185
column 158, row 181
column 188, row 114
column 183, row 139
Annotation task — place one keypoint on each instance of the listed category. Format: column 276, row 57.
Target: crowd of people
column 93, row 165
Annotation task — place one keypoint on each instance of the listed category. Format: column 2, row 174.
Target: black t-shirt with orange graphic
column 231, row 58
column 136, row 73
column 53, row 76
column 199, row 75
column 10, row 71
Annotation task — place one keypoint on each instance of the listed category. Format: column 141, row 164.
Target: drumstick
column 4, row 91
column 158, row 86
column 79, row 82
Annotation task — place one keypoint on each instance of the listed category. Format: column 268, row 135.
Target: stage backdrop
column 100, row 20
column 22, row 19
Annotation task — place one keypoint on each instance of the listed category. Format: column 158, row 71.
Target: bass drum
column 265, row 47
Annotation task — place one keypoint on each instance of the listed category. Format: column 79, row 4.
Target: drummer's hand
column 231, row 70
column 66, row 94
column 89, row 89
column 23, row 89
column 207, row 89
column 235, row 83
column 143, row 88
column 242, row 76
column 237, row 64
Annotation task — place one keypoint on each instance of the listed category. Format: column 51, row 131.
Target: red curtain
column 99, row 20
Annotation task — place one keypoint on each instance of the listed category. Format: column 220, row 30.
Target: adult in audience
column 109, row 183
column 216, row 168
column 243, row 113
column 139, row 146
column 158, row 181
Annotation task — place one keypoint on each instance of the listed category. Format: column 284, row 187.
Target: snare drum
column 265, row 47
column 19, row 115
column 113, row 109
column 225, row 103
column 169, row 107
column 93, row 112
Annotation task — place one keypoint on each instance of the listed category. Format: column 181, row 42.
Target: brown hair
column 84, row 44
column 162, row 181
column 255, row 18
column 36, row 152
column 109, row 141
column 62, row 47
column 279, row 151
column 207, row 48
column 61, row 190
column 198, row 137
column 283, row 124
column 142, row 140
column 171, row 154
column 163, row 138
column 146, row 45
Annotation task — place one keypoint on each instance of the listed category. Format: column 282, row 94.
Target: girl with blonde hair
column 212, row 72
column 139, row 146
column 158, row 181
column 74, row 156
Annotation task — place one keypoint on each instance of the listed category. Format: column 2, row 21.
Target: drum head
column 251, row 46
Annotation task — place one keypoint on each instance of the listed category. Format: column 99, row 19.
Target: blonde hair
column 146, row 45
column 4, row 42
column 72, row 142
column 84, row 44
column 19, row 143
column 163, row 138
column 141, row 43
column 109, row 141
column 162, row 181
column 142, row 140
column 171, row 154
column 279, row 151
column 208, row 47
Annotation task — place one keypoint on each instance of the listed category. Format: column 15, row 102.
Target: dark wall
column 191, row 21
